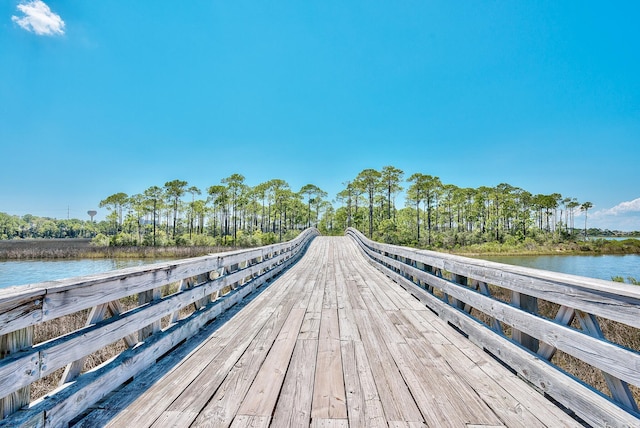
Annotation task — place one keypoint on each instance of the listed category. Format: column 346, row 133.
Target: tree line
column 229, row 213
column 29, row 226
column 433, row 214
column 441, row 215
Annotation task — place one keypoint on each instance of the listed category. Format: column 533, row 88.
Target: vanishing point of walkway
column 334, row 343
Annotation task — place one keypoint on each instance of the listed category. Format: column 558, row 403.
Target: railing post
column 73, row 370
column 10, row 344
column 483, row 288
column 529, row 304
column 461, row 281
column 144, row 298
column 619, row 389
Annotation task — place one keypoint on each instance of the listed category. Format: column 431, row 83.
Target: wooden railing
column 525, row 317
column 150, row 309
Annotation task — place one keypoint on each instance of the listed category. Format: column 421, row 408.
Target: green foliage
column 233, row 214
column 434, row 215
column 387, row 232
column 29, row 227
column 100, row 240
column 291, row 234
column 630, row 280
column 123, row 239
column 248, row 240
column 269, row 238
column 503, row 219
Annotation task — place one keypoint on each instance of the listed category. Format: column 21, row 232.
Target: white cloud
column 623, row 208
column 39, row 19
column 624, row 216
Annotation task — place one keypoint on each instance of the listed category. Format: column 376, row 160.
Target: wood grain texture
column 294, row 404
column 329, row 399
column 592, row 407
column 30, row 305
column 616, row 301
column 335, row 342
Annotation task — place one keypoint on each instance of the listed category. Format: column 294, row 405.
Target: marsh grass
column 70, row 323
column 29, row 249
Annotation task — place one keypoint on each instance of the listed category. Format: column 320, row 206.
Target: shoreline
column 66, row 249
column 583, row 248
column 37, row 249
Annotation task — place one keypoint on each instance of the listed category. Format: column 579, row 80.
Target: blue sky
column 100, row 97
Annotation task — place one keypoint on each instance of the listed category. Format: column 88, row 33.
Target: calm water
column 29, row 271
column 602, row 267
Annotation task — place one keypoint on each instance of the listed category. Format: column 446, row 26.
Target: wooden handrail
column 458, row 289
column 210, row 284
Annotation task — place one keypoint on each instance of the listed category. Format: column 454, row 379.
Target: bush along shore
column 534, row 248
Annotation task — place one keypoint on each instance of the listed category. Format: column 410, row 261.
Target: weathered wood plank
column 12, row 343
column 73, row 370
column 245, row 421
column 378, row 314
column 405, row 424
column 330, row 300
column 19, row 370
column 526, row 397
column 364, row 408
column 205, row 369
column 593, row 408
column 75, row 397
column 447, row 399
column 618, row 302
column 233, row 380
column 223, row 405
column 512, row 411
column 398, row 363
column 329, row 423
column 328, row 393
column 397, row 402
column 441, row 400
column 93, row 386
column 608, row 357
column 294, row 404
column 158, row 394
column 310, row 328
column 261, row 397
column 20, row 307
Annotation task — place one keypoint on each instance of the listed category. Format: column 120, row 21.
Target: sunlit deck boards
column 333, row 342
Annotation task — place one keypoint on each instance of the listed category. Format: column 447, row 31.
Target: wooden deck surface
column 331, row 343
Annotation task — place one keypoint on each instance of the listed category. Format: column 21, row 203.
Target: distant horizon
column 107, row 97
column 595, row 217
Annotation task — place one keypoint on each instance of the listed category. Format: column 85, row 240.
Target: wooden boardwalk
column 332, row 343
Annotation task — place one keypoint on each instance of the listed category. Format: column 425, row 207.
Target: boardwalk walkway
column 335, row 343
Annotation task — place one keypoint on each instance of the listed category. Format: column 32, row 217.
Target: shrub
column 204, row 241
column 269, row 238
column 246, row 240
column 387, row 232
column 100, row 240
column 123, row 239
